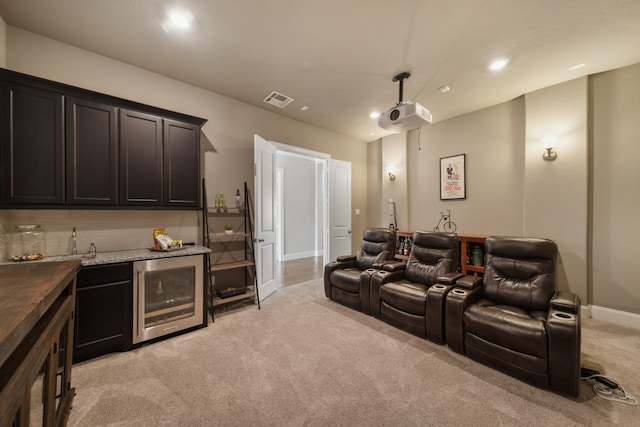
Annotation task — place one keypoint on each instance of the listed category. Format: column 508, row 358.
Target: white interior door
column 279, row 219
column 265, row 218
column 339, row 209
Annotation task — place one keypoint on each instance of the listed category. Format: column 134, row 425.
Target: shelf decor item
column 231, row 292
column 453, row 177
column 238, row 198
column 27, row 243
column 228, row 230
column 219, row 201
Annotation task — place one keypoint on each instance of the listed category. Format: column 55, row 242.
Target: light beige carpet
column 304, row 360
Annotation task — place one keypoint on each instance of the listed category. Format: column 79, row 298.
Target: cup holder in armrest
column 563, row 316
column 371, row 270
column 438, row 286
column 459, row 291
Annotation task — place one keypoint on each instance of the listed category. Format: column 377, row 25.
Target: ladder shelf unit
column 231, row 263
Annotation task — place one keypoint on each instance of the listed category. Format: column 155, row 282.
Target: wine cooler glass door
column 167, row 296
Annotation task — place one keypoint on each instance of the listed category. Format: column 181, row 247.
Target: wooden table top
column 26, row 293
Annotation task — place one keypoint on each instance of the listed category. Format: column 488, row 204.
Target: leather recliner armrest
column 378, row 279
column 469, row 282
column 345, row 258
column 394, row 266
column 379, row 265
column 458, row 299
column 365, row 288
column 436, row 304
column 449, row 278
column 344, row 261
column 564, row 334
column 565, row 301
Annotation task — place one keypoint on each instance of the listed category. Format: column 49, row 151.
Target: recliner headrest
column 520, row 271
column 521, row 247
column 378, row 244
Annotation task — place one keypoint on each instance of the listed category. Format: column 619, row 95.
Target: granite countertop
column 122, row 256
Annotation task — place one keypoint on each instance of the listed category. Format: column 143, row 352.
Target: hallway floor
column 298, row 270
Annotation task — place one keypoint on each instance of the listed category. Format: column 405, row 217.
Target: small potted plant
column 228, row 229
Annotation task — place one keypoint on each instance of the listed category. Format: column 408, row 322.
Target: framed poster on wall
column 453, row 177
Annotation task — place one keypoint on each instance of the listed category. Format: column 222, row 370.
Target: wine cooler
column 167, row 296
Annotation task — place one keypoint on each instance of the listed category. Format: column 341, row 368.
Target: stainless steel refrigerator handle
column 138, row 304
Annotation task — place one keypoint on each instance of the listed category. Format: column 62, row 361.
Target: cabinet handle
column 138, row 304
column 260, row 240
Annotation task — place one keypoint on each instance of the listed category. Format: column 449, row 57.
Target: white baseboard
column 300, row 255
column 619, row 317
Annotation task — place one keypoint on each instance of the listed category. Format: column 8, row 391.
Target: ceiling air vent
column 277, row 99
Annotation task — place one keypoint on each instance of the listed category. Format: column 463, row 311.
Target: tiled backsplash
column 110, row 230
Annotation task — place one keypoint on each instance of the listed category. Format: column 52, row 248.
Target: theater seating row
column 512, row 318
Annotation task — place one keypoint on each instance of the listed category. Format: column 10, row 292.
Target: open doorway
column 300, row 214
column 312, row 211
column 299, row 206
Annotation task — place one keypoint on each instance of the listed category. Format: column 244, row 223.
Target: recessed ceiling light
column 177, row 19
column 498, row 64
column 444, row 88
column 374, row 114
column 304, row 108
column 575, row 67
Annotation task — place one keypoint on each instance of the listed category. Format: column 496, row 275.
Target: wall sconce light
column 390, row 171
column 549, row 142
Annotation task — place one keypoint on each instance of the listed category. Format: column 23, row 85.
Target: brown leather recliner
column 407, row 296
column 514, row 320
column 346, row 280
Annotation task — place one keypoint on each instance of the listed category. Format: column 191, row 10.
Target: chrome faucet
column 74, row 250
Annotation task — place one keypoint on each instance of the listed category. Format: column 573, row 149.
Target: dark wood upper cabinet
column 67, row 146
column 91, row 147
column 32, row 151
column 181, row 164
column 140, row 159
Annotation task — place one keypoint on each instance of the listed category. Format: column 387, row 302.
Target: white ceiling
column 338, row 57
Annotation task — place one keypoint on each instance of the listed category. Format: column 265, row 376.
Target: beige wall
column 555, row 192
column 615, row 139
column 492, row 140
column 394, row 155
column 374, row 210
column 227, row 136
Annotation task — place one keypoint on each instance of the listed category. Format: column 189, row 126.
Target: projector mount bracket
column 400, row 79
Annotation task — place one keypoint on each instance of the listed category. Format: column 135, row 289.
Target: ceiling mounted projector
column 405, row 116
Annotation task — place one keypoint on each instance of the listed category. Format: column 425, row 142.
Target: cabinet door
column 140, row 159
column 104, row 312
column 181, row 164
column 31, row 132
column 90, row 153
